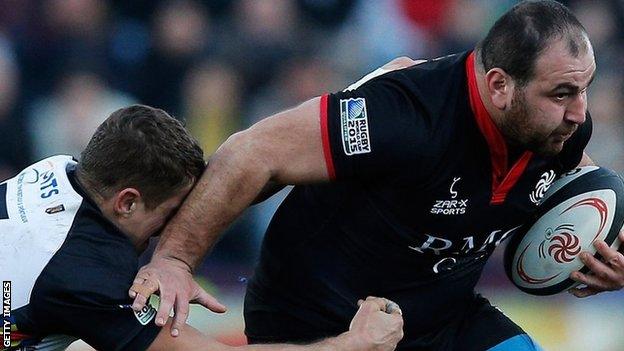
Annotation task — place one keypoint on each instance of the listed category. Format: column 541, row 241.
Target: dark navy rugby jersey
column 69, row 268
column 422, row 194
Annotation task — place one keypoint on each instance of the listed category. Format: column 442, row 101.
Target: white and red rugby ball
column 581, row 206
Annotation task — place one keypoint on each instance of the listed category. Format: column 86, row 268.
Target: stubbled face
column 550, row 107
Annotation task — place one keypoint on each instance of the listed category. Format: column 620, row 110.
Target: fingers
column 598, row 280
column 166, row 303
column 141, row 290
column 584, row 292
column 374, row 304
column 180, row 316
column 381, row 304
column 371, row 307
column 209, row 301
column 143, row 286
column 374, row 327
column 181, row 310
column 175, row 283
column 393, row 308
column 605, row 275
column 139, row 302
column 598, row 268
column 611, row 256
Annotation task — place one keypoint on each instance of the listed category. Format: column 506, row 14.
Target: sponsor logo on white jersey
column 39, row 197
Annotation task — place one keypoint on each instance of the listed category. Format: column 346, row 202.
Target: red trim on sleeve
column 329, row 161
column 502, row 178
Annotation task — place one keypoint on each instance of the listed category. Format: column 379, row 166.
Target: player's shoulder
column 95, row 250
column 96, row 264
column 430, row 74
column 437, row 89
column 442, row 64
column 435, row 83
column 45, row 180
column 411, row 112
column 434, row 87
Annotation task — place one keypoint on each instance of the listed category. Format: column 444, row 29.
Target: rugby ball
column 581, row 206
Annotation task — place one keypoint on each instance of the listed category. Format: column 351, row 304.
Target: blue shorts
column 520, row 342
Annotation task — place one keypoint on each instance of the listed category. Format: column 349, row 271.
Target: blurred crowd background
column 221, row 65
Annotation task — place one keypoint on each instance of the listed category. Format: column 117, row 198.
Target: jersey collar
column 503, row 178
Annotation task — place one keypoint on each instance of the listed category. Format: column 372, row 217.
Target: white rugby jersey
column 65, row 268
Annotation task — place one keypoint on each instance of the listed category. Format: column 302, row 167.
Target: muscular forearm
column 231, row 182
column 191, row 339
column 285, row 148
column 343, row 342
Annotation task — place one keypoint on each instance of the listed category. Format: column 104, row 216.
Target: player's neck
column 495, row 114
column 106, row 208
column 514, row 152
column 87, row 188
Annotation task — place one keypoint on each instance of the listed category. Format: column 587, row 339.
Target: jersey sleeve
column 377, row 129
column 92, row 304
column 572, row 152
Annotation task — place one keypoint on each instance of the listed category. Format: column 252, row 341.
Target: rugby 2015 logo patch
column 354, row 121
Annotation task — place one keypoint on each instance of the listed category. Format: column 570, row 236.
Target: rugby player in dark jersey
column 71, row 234
column 405, row 184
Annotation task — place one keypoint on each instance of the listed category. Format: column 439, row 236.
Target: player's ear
column 500, row 87
column 126, row 202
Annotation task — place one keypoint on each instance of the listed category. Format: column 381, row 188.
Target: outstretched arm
column 285, row 148
column 377, row 325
